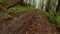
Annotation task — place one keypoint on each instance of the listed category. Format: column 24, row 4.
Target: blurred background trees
column 47, row 5
column 58, row 7
column 37, row 3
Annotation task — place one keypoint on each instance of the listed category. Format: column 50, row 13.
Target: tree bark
column 48, row 6
column 58, row 6
column 21, row 2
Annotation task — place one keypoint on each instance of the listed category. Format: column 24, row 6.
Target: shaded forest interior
column 29, row 16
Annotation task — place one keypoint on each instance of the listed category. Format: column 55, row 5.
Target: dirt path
column 28, row 23
column 40, row 25
column 16, row 23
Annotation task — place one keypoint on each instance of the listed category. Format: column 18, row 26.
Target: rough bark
column 58, row 6
column 48, row 6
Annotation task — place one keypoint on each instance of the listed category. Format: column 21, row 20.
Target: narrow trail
column 16, row 24
column 40, row 25
column 32, row 22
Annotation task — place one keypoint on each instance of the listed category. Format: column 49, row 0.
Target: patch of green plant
column 5, row 16
column 20, row 9
column 52, row 17
column 58, row 21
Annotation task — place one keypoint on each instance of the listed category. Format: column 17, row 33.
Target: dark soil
column 27, row 23
column 41, row 25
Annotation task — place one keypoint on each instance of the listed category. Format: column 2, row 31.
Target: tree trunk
column 21, row 2
column 58, row 6
column 48, row 6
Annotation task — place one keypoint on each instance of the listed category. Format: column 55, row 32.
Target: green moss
column 53, row 18
column 20, row 9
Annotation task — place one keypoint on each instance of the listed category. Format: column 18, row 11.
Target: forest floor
column 31, row 22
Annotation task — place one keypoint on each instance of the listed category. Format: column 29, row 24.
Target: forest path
column 17, row 23
column 41, row 25
column 32, row 22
